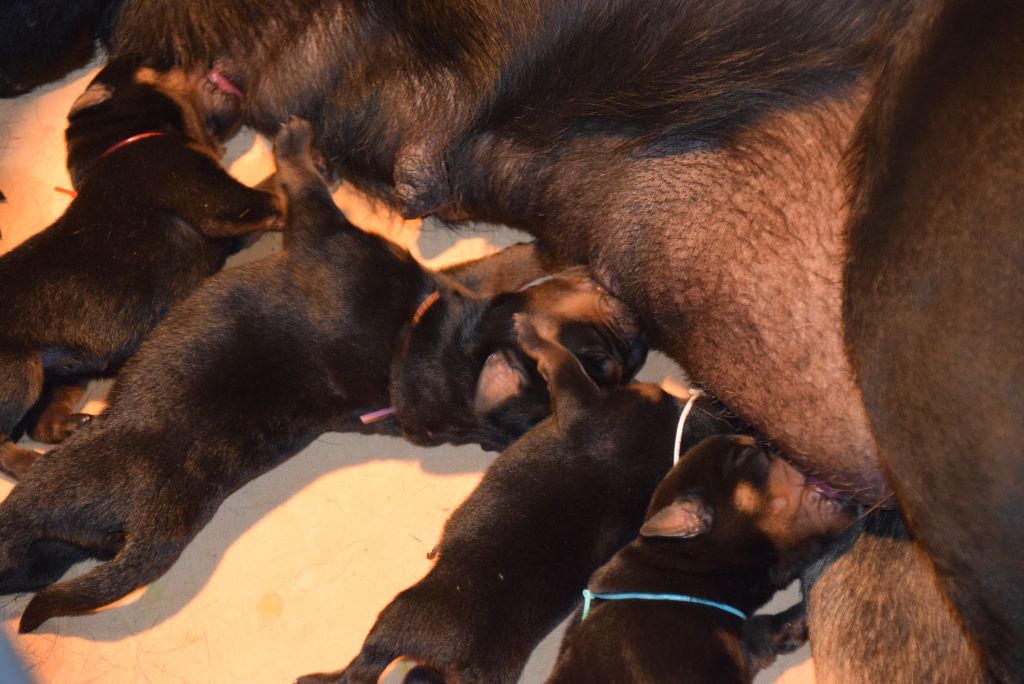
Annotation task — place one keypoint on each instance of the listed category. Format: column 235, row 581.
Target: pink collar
column 421, row 310
column 129, row 140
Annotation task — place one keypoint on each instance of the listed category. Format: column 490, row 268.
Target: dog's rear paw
column 292, row 142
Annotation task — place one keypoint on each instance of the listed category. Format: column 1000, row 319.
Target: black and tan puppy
column 551, row 509
column 261, row 360
column 154, row 215
column 727, row 528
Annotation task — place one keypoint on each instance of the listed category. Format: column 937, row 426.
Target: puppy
column 727, row 527
column 331, row 334
column 154, row 215
column 551, row 509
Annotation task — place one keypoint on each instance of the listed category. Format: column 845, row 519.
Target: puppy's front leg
column 237, row 210
column 21, row 382
column 219, row 206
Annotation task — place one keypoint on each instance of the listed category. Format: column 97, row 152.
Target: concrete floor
column 291, row 573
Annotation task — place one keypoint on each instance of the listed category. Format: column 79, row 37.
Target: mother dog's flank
column 616, row 133
column 703, row 158
column 154, row 215
column 264, row 358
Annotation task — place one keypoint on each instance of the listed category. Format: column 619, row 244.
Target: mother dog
column 733, row 138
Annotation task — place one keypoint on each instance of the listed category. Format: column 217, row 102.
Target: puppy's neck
column 89, row 142
column 640, row 567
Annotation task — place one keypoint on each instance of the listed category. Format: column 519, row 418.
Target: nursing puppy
column 154, row 215
column 551, row 509
column 729, row 525
column 263, row 359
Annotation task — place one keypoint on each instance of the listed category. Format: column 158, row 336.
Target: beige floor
column 292, row 571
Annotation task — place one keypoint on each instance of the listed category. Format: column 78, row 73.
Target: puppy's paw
column 15, row 461
column 264, row 211
column 57, row 430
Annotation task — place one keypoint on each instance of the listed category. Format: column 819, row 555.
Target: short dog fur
column 728, row 524
column 549, row 510
column 842, row 175
column 263, row 359
column 151, row 220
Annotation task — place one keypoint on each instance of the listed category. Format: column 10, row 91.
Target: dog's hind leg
column 137, row 564
column 21, row 382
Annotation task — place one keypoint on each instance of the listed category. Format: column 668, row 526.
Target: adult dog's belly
column 733, row 258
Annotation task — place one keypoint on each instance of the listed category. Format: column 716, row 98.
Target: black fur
column 713, row 531
column 553, row 507
column 40, row 41
column 151, row 220
column 622, row 132
column 700, row 72
column 262, row 360
column 618, row 134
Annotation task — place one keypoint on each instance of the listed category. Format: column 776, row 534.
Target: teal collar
column 589, row 596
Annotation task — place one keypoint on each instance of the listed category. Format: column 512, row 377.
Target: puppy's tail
column 133, row 567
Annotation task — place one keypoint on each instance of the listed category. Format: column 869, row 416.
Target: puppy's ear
column 604, row 369
column 500, row 380
column 96, row 93
column 682, row 519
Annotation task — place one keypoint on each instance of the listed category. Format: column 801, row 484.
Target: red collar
column 128, row 141
column 110, row 150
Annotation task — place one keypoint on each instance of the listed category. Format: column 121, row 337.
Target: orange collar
column 424, row 306
column 421, row 310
